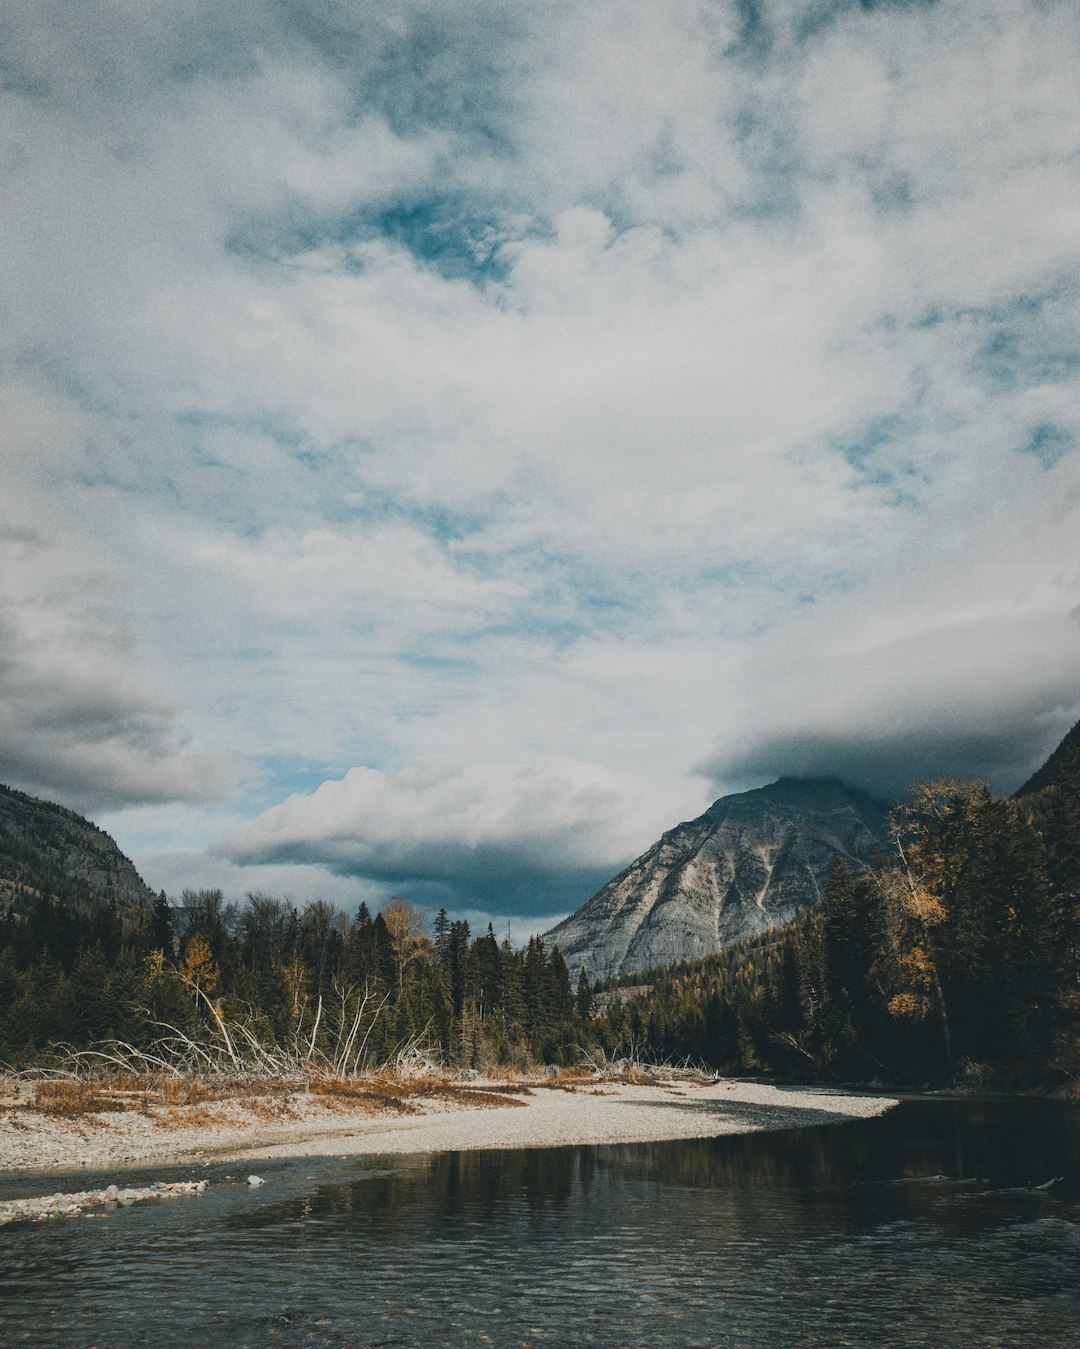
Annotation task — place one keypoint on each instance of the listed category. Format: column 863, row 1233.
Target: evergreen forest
column 75, row 979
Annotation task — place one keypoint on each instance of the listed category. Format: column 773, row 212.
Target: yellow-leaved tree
column 408, row 941
column 198, row 969
column 934, row 840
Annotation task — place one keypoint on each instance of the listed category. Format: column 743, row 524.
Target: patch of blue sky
column 415, row 66
column 563, row 613
column 444, row 233
column 768, row 144
column 1023, row 340
column 1019, row 356
column 452, row 529
column 282, row 775
column 275, row 426
column 554, row 634
column 610, row 609
column 788, row 577
column 439, row 663
column 1018, row 327
column 823, row 15
column 18, row 80
column 735, row 574
column 754, row 37
column 1049, row 444
column 933, row 316
column 443, row 72
column 458, row 239
column 874, row 454
column 599, row 595
column 1014, row 307
column 904, row 498
column 55, row 372
column 324, row 476
column 873, row 6
column 890, row 192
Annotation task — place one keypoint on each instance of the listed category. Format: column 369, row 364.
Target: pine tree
column 441, row 928
column 584, row 998
column 162, row 937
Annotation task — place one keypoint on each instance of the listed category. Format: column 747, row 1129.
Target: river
column 921, row 1227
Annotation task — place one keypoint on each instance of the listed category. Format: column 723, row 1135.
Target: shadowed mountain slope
column 49, row 851
column 1043, row 777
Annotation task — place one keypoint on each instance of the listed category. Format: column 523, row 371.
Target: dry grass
column 575, row 1079
column 193, row 1117
column 69, row 1100
column 567, row 1079
column 148, row 1093
column 378, row 1093
column 271, row 1110
column 375, row 1094
column 186, row 1100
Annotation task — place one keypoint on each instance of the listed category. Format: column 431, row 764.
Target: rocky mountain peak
column 753, row 860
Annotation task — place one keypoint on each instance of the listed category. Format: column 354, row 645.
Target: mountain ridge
column 752, row 860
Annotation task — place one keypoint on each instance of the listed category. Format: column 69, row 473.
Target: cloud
column 887, row 688
column 634, row 385
column 511, row 838
column 89, row 729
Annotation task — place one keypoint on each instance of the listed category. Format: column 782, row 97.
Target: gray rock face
column 752, row 861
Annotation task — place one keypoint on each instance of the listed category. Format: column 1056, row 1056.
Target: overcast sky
column 445, row 445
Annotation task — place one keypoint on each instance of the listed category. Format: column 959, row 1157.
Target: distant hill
column 1043, row 777
column 753, row 860
column 50, row 851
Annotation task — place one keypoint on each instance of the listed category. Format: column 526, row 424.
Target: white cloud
column 600, row 385
column 521, row 836
column 895, row 685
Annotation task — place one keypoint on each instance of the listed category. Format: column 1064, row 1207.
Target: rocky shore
column 547, row 1116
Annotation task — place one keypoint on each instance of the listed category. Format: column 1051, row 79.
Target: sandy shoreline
column 544, row 1117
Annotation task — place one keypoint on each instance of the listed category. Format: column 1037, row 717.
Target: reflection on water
column 917, row 1228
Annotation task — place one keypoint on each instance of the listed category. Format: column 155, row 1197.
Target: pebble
column 71, row 1205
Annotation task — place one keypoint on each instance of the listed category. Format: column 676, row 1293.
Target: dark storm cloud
column 888, row 761
column 502, row 880
column 86, row 734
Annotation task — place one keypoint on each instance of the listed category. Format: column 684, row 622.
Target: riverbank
column 522, row 1114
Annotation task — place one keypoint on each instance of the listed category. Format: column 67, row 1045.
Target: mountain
column 753, row 861
column 1044, row 776
column 48, row 850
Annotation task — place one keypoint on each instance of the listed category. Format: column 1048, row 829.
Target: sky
column 444, row 446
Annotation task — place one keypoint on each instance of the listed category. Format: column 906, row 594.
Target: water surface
column 918, row 1228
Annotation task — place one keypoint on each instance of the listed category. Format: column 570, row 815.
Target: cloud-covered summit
column 645, row 386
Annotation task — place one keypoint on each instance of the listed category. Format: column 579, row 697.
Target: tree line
column 76, row 977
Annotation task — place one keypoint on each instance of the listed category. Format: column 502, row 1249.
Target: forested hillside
column 47, row 851
column 959, row 957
